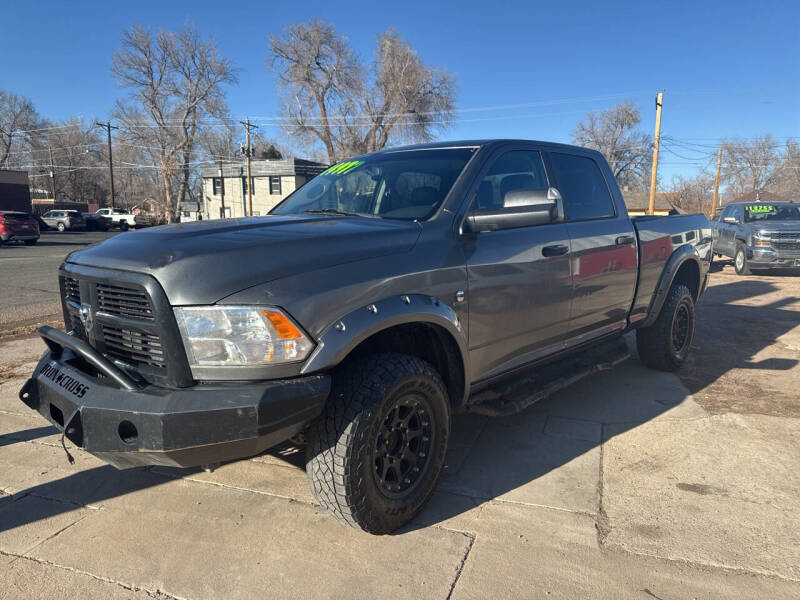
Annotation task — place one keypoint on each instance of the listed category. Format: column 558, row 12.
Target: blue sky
column 728, row 69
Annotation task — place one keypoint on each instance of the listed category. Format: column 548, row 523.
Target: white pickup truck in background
column 118, row 218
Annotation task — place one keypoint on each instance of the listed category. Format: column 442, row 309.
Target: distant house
column 190, row 211
column 638, row 203
column 15, row 192
column 271, row 180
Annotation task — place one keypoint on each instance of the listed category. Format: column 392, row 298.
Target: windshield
column 407, row 185
column 768, row 212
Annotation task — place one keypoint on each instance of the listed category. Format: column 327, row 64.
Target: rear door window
column 515, row 170
column 583, row 187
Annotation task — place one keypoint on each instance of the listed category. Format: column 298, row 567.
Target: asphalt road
column 28, row 282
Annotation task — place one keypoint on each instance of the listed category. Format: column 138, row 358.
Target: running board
column 516, row 394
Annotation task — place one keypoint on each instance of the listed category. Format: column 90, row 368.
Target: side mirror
column 729, row 220
column 521, row 208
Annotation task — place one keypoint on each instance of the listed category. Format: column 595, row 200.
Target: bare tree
column 788, row 176
column 319, row 75
column 224, row 143
column 406, row 100
column 330, row 97
column 17, row 118
column 176, row 81
column 614, row 132
column 80, row 167
column 750, row 165
column 693, row 194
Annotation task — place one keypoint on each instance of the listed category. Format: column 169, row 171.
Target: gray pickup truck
column 759, row 235
column 368, row 306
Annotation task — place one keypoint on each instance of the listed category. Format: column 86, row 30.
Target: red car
column 18, row 226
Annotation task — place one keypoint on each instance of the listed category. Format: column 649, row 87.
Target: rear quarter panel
column 659, row 239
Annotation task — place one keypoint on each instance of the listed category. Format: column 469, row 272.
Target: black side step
column 515, row 395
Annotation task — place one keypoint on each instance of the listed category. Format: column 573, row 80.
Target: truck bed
column 659, row 239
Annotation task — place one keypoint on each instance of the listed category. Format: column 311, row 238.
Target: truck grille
column 134, row 347
column 125, row 302
column 72, row 289
column 124, row 323
column 785, row 240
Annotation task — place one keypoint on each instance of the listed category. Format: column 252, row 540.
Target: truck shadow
column 548, row 455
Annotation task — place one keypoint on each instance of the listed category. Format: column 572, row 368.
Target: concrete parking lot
column 29, row 288
column 630, row 484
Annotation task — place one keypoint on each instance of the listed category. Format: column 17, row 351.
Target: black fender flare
column 343, row 335
column 674, row 263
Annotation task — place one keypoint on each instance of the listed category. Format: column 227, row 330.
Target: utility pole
column 108, row 127
column 715, row 202
column 52, row 174
column 652, row 208
column 221, row 191
column 248, row 154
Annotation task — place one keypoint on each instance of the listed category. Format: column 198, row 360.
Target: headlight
column 760, row 239
column 240, row 336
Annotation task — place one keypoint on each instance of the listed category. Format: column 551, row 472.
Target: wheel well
column 689, row 275
column 427, row 341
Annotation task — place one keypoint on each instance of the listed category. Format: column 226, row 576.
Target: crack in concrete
column 158, row 594
column 234, row 487
column 51, row 536
column 704, row 565
column 462, row 562
column 493, row 500
column 602, row 522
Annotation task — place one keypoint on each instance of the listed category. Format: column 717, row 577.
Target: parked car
column 95, row 222
column 43, row 226
column 64, row 219
column 759, row 235
column 118, row 218
column 369, row 305
column 18, row 226
column 143, row 220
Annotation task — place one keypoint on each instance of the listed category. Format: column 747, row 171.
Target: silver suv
column 64, row 219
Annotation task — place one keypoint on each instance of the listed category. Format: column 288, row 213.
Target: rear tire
column 30, row 242
column 665, row 344
column 375, row 454
column 61, row 228
column 740, row 260
column 123, row 226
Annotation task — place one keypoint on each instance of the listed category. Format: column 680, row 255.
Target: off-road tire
column 740, row 260
column 61, row 227
column 657, row 344
column 124, row 226
column 342, row 454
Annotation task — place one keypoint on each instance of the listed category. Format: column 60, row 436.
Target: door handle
column 555, row 250
column 625, row 240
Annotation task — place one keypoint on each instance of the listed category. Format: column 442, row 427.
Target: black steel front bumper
column 103, row 410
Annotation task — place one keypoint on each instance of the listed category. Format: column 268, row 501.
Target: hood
column 204, row 261
column 776, row 226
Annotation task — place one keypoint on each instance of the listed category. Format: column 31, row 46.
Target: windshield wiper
column 332, row 211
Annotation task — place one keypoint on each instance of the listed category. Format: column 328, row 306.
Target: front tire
column 740, row 260
column 666, row 343
column 375, row 454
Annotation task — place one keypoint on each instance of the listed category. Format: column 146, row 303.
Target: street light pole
column 654, row 175
column 108, row 127
column 248, row 154
column 221, row 191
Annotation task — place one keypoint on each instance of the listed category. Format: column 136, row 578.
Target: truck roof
column 482, row 142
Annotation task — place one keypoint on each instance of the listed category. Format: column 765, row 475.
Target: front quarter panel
column 338, row 340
